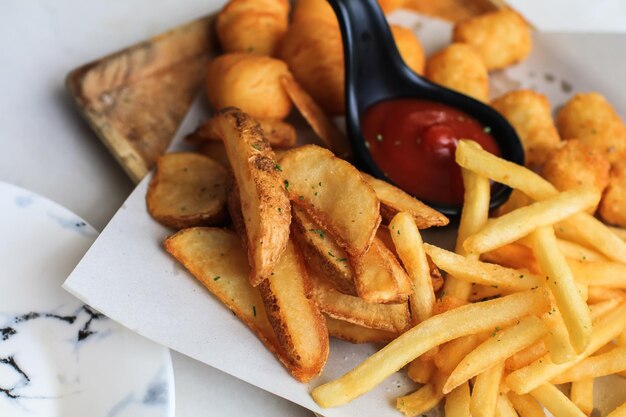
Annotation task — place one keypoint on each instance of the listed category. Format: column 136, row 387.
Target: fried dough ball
column 409, row 47
column 530, row 114
column 613, row 203
column 389, row 6
column 314, row 51
column 250, row 82
column 500, row 38
column 459, row 68
column 574, row 164
column 254, row 26
column 591, row 118
column 313, row 9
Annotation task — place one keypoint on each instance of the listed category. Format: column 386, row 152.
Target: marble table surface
column 46, row 147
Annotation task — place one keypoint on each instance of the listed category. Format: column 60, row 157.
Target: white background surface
column 46, row 147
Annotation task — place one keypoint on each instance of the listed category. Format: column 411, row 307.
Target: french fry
column 410, row 248
column 578, row 252
column 581, row 394
column 605, row 329
column 453, row 352
column 521, row 222
column 504, row 407
column 297, row 322
column 598, row 294
column 514, row 256
column 472, row 270
column 425, row 336
column 393, row 200
column 447, row 303
column 619, row 231
column 571, row 305
column 317, row 181
column 316, row 118
column 590, row 230
column 608, row 363
column 264, row 203
column 354, row 333
column 598, row 309
column 421, row 371
column 390, row 317
column 525, row 405
column 458, row 402
column 527, row 356
column 421, row 401
column 555, row 401
column 496, row 348
column 558, row 340
column 618, row 412
column 485, row 391
column 473, row 218
column 603, row 274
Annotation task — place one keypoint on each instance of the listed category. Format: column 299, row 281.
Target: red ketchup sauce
column 413, row 142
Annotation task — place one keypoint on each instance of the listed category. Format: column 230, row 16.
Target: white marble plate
column 58, row 356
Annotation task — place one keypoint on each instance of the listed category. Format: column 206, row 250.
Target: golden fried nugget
column 613, row 203
column 574, row 164
column 459, row 68
column 253, row 26
column 313, row 9
column 389, row 6
column 249, row 82
column 409, row 47
column 591, row 118
column 500, row 38
column 530, row 114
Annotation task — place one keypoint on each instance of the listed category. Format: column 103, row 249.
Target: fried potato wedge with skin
column 297, row 322
column 216, row 259
column 354, row 333
column 215, row 151
column 187, row 190
column 321, row 251
column 278, row 133
column 393, row 200
column 318, row 181
column 316, row 118
column 264, row 203
column 390, row 317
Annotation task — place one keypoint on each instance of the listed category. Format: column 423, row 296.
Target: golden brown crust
column 613, row 204
column 187, row 190
column 354, row 333
column 409, row 47
column 278, row 133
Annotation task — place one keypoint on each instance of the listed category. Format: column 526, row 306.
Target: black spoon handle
column 371, row 56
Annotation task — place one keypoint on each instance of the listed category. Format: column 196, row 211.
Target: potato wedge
column 390, row 317
column 216, row 259
column 264, row 202
column 393, row 200
column 278, row 133
column 297, row 322
column 187, row 190
column 215, row 150
column 321, row 251
column 317, row 181
column 354, row 333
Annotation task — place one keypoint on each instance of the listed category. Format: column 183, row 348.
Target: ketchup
column 413, row 142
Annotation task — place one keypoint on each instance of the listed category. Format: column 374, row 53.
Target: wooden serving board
column 136, row 98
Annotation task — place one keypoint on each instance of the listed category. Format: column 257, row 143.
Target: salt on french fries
column 470, row 270
column 525, row 405
column 458, row 402
column 605, row 329
column 611, row 362
column 561, row 283
column 299, row 325
column 264, row 202
column 425, row 336
column 187, row 190
column 278, row 133
column 354, row 333
column 216, row 259
column 321, row 251
column 318, row 181
column 393, row 201
column 501, row 345
column 519, row 223
column 555, row 401
column 485, row 391
column 378, row 276
column 390, row 317
column 581, row 394
column 316, row 118
column 590, row 230
column 410, row 248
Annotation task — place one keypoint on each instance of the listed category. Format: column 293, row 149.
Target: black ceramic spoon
column 375, row 72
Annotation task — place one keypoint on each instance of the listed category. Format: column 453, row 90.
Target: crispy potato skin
column 613, row 204
column 591, row 118
column 459, row 68
column 252, row 26
column 530, row 114
column 249, row 82
column 354, row 333
column 574, row 164
column 264, row 203
column 409, row 47
column 187, row 190
column 500, row 38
